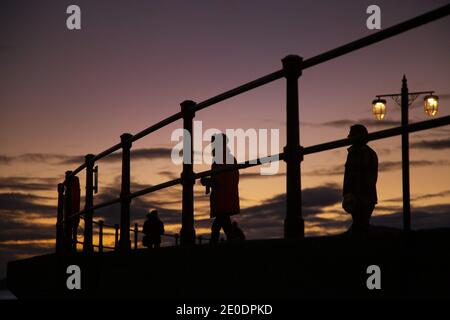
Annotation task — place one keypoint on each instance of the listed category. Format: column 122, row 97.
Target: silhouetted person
column 236, row 232
column 224, row 198
column 361, row 172
column 153, row 230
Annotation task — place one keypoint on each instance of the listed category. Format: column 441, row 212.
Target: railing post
column 124, row 242
column 59, row 219
column 68, row 236
column 200, row 239
column 177, row 236
column 293, row 223
column 405, row 156
column 136, row 231
column 100, row 236
column 187, row 176
column 89, row 203
column 116, row 236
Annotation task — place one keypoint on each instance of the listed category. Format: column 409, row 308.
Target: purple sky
column 67, row 93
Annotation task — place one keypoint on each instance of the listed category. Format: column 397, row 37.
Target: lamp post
column 404, row 100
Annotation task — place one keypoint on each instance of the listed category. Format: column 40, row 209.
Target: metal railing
column 292, row 154
column 136, row 231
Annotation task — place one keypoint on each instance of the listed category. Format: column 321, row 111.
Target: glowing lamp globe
column 379, row 108
column 431, row 103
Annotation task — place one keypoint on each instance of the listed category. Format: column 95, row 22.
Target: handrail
column 392, row 31
column 241, row 89
column 157, row 126
column 386, row 133
column 173, row 235
column 155, row 188
column 320, row 58
column 95, row 207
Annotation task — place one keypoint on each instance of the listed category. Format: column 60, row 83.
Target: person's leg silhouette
column 227, row 227
column 215, row 229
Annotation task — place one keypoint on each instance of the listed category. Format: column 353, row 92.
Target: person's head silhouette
column 152, row 213
column 359, row 133
column 220, row 150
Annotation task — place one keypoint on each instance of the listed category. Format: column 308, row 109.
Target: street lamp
column 431, row 103
column 404, row 100
column 379, row 108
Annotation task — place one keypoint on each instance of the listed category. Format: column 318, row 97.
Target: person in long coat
column 360, row 179
column 224, row 198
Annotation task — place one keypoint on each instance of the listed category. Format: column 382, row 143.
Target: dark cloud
column 436, row 134
column 17, row 223
column 426, row 217
column 18, row 183
column 13, row 229
column 20, row 202
column 367, row 122
column 136, row 154
column 431, row 195
column 62, row 159
column 426, row 196
column 47, row 158
column 142, row 154
column 439, row 144
column 5, row 159
column 394, row 165
column 383, row 166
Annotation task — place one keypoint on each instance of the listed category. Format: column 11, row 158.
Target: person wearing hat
column 360, row 179
column 153, row 230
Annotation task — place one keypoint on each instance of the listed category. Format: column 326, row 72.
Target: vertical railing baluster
column 404, row 103
column 136, row 230
column 100, row 236
column 68, row 235
column 116, row 236
column 124, row 242
column 177, row 236
column 59, row 220
column 293, row 224
column 187, row 176
column 89, row 203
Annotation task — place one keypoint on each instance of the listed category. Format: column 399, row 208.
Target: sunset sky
column 64, row 94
